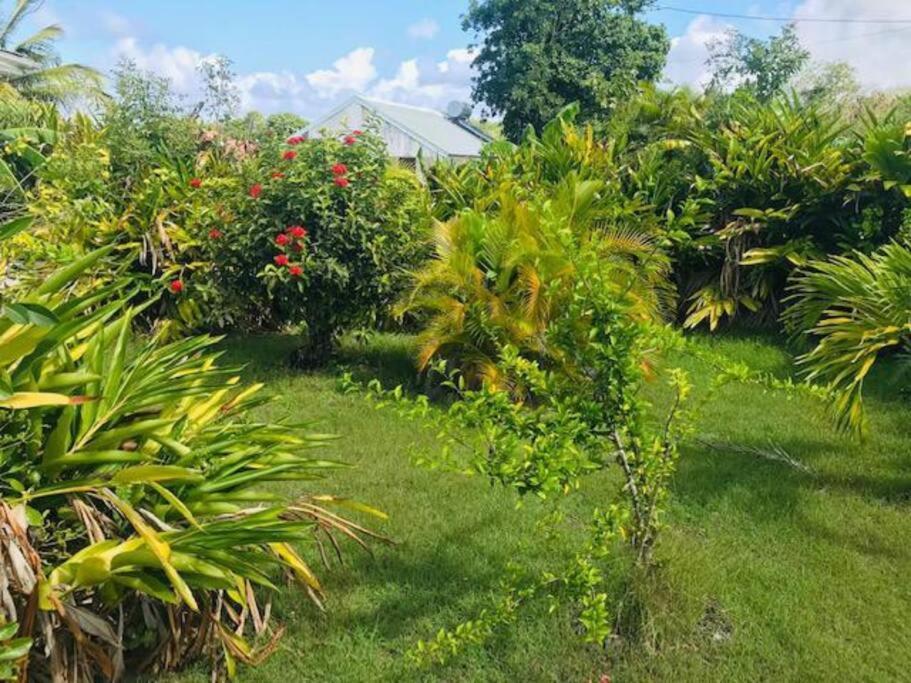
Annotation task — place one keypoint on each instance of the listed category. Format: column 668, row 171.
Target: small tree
column 221, row 98
column 764, row 66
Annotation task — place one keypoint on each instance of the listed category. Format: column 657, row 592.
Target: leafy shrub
column 573, row 410
column 856, row 308
column 498, row 280
column 137, row 531
column 323, row 238
column 27, row 132
column 188, row 216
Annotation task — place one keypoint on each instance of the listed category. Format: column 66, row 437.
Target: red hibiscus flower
column 281, row 260
column 295, row 140
column 176, row 286
column 341, row 181
column 357, row 132
column 256, row 190
column 289, row 155
column 339, row 169
column 296, row 271
column 281, row 239
column 215, row 234
column 297, row 231
column 350, row 139
column 195, row 183
column 277, row 175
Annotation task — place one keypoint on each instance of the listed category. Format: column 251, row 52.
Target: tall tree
column 537, row 56
column 764, row 66
column 42, row 75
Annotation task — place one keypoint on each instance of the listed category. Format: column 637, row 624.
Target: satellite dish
column 460, row 111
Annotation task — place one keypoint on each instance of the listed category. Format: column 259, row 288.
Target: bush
column 137, row 532
column 323, row 237
column 498, row 279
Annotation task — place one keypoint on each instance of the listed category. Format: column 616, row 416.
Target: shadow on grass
column 863, row 544
column 386, row 357
column 413, row 583
column 770, row 489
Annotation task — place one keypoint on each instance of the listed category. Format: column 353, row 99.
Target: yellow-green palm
column 858, row 307
column 497, row 279
column 42, row 76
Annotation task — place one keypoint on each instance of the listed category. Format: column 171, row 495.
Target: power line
column 795, row 20
column 815, row 43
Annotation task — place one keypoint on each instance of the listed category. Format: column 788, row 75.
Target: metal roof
column 12, row 64
column 427, row 126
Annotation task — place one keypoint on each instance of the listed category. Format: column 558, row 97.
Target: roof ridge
column 377, row 100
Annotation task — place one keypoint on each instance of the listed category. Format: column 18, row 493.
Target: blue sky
column 305, row 55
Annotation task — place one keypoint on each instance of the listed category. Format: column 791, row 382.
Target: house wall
column 400, row 144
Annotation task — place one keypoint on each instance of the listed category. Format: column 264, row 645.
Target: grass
column 769, row 570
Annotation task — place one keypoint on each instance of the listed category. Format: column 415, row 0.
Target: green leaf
column 15, row 649
column 15, row 226
column 147, row 474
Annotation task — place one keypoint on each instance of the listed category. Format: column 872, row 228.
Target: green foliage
column 221, row 96
column 259, row 128
column 188, row 224
column 133, row 495
column 784, row 183
column 145, row 122
column 364, row 224
column 13, row 652
column 857, row 308
column 27, row 131
column 498, row 280
column 763, row 66
column 538, row 56
column 563, row 404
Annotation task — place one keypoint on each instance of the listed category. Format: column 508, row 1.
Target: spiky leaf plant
column 137, row 527
column 857, row 308
column 498, row 279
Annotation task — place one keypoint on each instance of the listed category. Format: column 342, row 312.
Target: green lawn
column 768, row 571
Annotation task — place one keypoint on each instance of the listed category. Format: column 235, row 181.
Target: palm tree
column 498, row 279
column 32, row 67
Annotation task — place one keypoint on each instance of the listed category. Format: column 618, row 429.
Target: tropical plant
column 27, row 132
column 780, row 185
column 497, row 280
column 323, row 237
column 42, row 76
column 574, row 411
column 137, row 529
column 856, row 308
column 763, row 66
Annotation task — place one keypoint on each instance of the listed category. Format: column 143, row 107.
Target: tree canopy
column 764, row 66
column 537, row 56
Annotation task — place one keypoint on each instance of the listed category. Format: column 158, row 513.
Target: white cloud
column 355, row 71
column 425, row 29
column 175, row 63
column 878, row 52
column 429, row 84
column 688, row 54
column 420, row 82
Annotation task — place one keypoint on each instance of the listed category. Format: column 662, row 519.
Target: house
column 14, row 65
column 411, row 133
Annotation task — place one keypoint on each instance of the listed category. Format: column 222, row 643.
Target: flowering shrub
column 323, row 237
column 278, row 231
